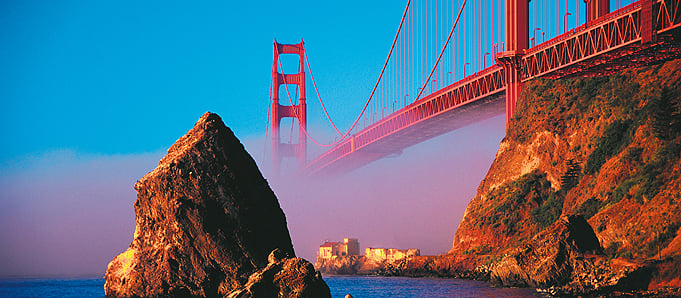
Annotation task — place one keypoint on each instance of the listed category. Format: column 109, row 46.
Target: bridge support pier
column 517, row 40
column 281, row 150
column 513, row 89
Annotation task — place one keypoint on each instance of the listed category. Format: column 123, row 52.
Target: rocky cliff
column 206, row 220
column 605, row 150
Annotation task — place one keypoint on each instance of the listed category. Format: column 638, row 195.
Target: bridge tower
column 596, row 9
column 282, row 150
column 517, row 36
column 517, row 40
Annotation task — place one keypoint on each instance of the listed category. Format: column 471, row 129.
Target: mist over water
column 66, row 213
column 413, row 200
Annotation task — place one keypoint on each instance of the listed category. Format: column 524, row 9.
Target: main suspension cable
column 370, row 96
column 382, row 70
column 319, row 95
column 295, row 110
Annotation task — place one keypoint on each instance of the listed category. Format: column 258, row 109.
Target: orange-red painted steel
column 642, row 32
column 421, row 120
column 281, row 150
column 624, row 38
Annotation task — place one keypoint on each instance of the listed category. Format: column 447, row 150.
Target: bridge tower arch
column 299, row 111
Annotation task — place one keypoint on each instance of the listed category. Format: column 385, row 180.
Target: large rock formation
column 550, row 257
column 606, row 148
column 206, row 220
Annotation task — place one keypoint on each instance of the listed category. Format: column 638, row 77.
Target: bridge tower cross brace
column 281, row 150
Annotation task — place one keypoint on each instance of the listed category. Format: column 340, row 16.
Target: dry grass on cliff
column 624, row 134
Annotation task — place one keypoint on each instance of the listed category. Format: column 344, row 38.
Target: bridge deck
column 637, row 34
column 477, row 97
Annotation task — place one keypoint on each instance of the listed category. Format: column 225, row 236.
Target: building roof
column 329, row 244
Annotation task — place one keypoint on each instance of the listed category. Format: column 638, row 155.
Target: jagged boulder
column 550, row 257
column 206, row 219
column 284, row 277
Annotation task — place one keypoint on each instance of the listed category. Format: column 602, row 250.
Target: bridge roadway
column 637, row 34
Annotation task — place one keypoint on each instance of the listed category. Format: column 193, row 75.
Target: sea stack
column 206, row 219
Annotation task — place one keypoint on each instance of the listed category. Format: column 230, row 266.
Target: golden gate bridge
column 454, row 63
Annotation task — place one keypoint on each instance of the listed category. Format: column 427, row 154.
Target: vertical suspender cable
column 478, row 45
column 500, row 29
column 492, row 25
column 556, row 9
column 577, row 14
column 267, row 126
column 438, row 21
column 455, row 48
column 443, row 48
column 429, row 31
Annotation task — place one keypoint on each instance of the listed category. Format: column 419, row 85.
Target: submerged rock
column 206, row 220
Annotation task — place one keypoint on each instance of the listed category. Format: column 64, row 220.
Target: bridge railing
column 615, row 30
column 668, row 15
column 574, row 50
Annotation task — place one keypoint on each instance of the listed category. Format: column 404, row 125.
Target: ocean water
column 357, row 286
column 52, row 287
column 377, row 286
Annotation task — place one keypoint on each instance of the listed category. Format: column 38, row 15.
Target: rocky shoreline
column 633, row 283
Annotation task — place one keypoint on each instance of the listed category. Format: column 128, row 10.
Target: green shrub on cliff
column 665, row 114
column 549, row 211
column 615, row 138
column 529, row 194
column 590, row 207
column 649, row 177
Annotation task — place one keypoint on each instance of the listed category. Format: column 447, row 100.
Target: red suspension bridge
column 454, row 63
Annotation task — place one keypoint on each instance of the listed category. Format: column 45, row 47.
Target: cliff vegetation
column 605, row 150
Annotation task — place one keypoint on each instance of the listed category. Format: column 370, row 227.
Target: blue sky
column 118, row 77
column 94, row 92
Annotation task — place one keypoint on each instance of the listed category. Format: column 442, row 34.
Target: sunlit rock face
column 206, row 220
column 550, row 257
column 284, row 277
